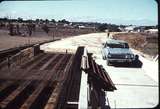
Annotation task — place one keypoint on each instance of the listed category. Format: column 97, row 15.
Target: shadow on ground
column 135, row 64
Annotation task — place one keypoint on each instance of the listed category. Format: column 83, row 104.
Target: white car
column 117, row 51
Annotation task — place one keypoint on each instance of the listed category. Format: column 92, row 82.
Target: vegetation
column 109, row 27
column 30, row 28
column 10, row 26
column 144, row 42
column 64, row 21
column 45, row 28
column 53, row 21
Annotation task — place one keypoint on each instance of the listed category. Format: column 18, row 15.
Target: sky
column 136, row 12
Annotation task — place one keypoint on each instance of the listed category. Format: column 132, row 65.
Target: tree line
column 21, row 20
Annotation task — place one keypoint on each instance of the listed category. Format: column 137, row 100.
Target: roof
column 130, row 27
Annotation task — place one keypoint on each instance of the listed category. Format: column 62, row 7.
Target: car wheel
column 104, row 58
column 136, row 57
column 130, row 64
column 108, row 63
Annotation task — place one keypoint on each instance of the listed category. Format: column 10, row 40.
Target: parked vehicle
column 117, row 51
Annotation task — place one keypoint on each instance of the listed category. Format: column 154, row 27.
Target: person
column 111, row 37
column 17, row 30
column 108, row 34
column 8, row 62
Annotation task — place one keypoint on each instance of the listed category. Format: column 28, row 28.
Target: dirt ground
column 7, row 41
column 144, row 42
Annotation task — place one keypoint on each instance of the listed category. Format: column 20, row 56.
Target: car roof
column 114, row 41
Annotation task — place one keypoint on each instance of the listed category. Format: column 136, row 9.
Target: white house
column 152, row 31
column 130, row 28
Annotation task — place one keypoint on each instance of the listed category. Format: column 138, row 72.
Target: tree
column 45, row 28
column 122, row 26
column 2, row 24
column 31, row 28
column 41, row 20
column 10, row 25
column 20, row 20
column 46, row 21
column 64, row 21
column 103, row 27
column 53, row 20
column 37, row 20
column 17, row 29
column 5, row 19
column 29, row 21
column 110, row 27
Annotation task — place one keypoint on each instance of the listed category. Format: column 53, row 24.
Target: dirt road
column 93, row 42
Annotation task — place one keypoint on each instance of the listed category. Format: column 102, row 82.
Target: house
column 129, row 28
column 151, row 30
column 121, row 29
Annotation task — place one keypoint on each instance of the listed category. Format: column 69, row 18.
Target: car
column 117, row 51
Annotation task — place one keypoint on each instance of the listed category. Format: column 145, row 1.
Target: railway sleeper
column 15, row 100
column 14, row 94
column 7, row 90
column 41, row 100
column 34, row 59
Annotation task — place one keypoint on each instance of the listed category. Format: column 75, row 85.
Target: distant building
column 129, row 28
column 141, row 29
column 81, row 26
column 152, row 31
column 106, row 30
column 121, row 29
column 86, row 27
column 65, row 25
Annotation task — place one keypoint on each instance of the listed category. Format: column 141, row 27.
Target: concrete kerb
column 83, row 96
column 150, row 66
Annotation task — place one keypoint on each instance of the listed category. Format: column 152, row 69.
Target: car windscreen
column 124, row 45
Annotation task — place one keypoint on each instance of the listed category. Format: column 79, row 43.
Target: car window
column 121, row 45
column 115, row 45
column 126, row 45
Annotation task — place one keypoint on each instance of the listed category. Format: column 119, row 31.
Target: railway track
column 34, row 84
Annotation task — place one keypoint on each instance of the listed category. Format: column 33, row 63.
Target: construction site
column 64, row 74
column 79, row 54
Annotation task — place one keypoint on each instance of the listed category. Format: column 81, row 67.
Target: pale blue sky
column 139, row 12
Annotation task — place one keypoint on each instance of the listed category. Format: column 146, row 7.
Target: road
column 135, row 88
